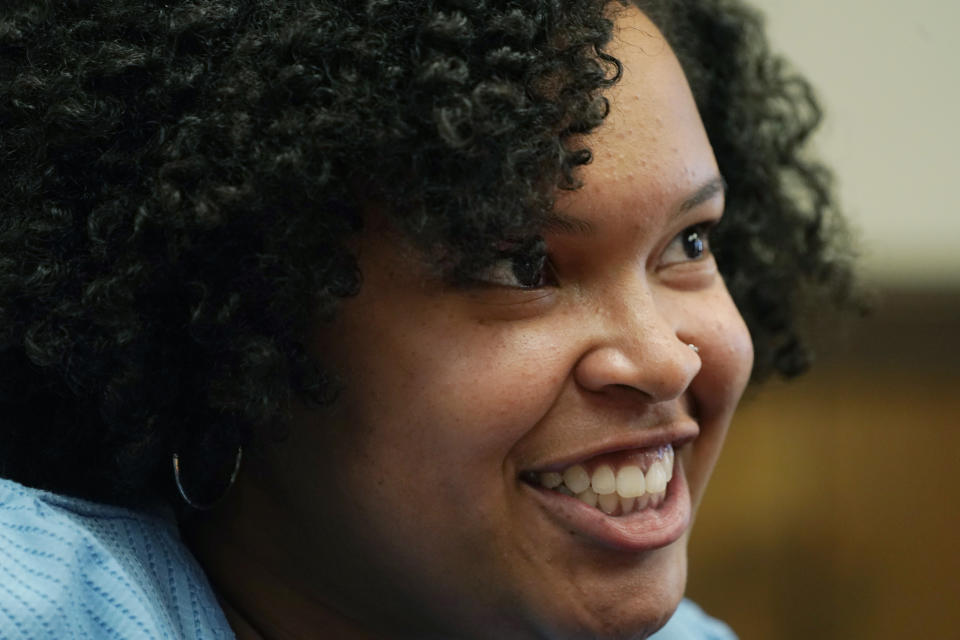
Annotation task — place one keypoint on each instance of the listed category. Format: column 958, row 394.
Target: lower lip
column 640, row 531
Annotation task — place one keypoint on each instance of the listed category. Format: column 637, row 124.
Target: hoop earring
column 208, row 505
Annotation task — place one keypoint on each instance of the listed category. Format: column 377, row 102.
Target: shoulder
column 70, row 568
column 689, row 622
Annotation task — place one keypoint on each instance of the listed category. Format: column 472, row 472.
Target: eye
column 691, row 244
column 528, row 268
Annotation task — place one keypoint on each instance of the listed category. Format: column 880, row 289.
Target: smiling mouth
column 618, row 484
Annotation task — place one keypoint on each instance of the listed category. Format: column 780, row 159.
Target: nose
column 640, row 349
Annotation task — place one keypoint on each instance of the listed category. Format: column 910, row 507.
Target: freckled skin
column 399, row 510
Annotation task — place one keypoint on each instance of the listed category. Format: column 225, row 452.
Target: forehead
column 652, row 147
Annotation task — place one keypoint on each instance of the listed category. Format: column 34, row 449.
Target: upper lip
column 677, row 433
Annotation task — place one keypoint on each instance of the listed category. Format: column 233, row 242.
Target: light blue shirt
column 74, row 569
column 689, row 622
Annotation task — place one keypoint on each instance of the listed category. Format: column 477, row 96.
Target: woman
column 441, row 280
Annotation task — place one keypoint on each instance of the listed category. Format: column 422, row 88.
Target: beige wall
column 888, row 74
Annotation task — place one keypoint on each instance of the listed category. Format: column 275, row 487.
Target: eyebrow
column 708, row 191
column 564, row 223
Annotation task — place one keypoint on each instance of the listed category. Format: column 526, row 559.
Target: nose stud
column 695, row 348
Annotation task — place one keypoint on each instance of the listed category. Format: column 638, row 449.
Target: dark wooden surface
column 834, row 512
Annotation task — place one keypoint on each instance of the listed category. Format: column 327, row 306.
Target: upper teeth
column 620, row 490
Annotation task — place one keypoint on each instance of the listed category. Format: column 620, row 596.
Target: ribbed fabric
column 74, row 569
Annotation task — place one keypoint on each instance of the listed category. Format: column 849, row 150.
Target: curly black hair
column 180, row 179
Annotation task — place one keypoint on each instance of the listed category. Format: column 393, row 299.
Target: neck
column 251, row 626
column 251, row 558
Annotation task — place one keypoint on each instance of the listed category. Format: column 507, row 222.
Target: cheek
column 436, row 413
column 727, row 354
column 728, row 357
column 457, row 394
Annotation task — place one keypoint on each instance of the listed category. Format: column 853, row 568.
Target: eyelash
column 504, row 272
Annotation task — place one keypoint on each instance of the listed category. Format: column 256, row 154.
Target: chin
column 623, row 606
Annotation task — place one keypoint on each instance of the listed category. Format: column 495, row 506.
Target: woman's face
column 420, row 491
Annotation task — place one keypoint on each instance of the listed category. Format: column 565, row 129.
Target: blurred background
column 835, row 509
